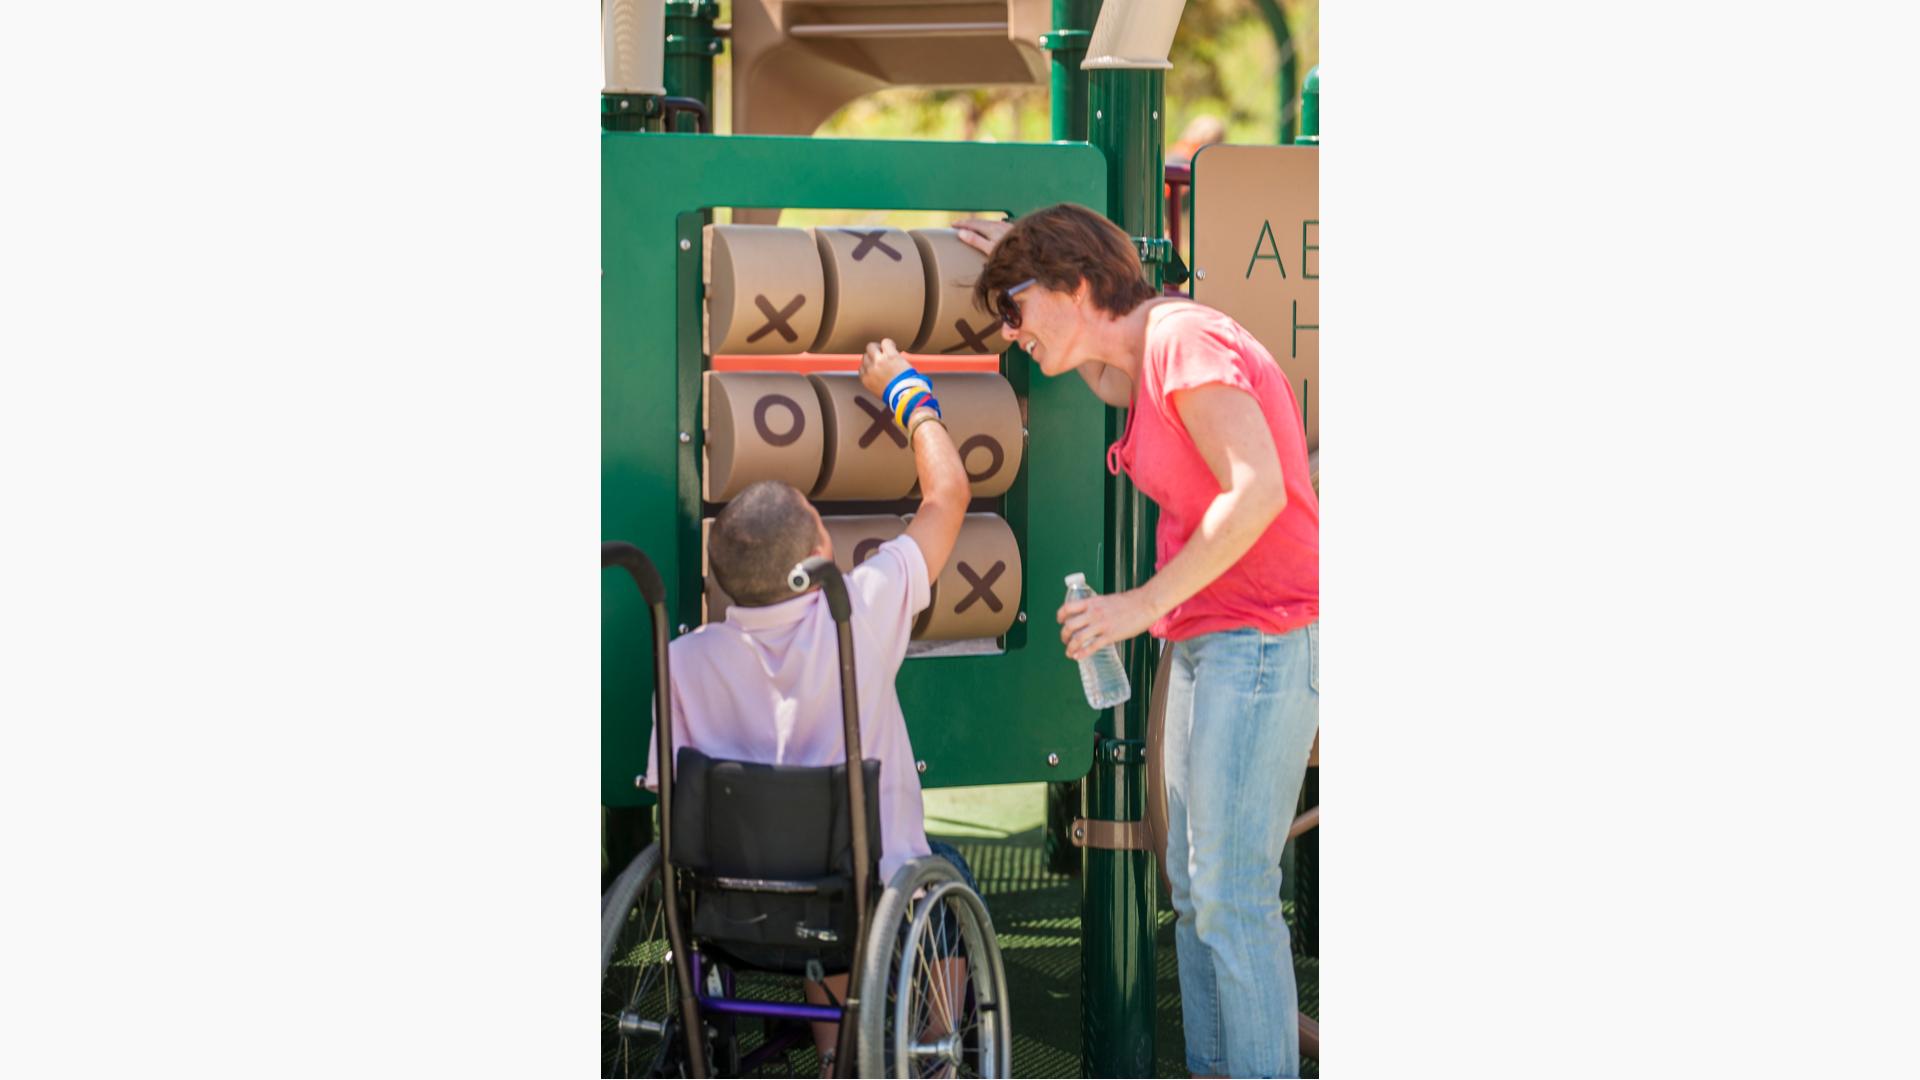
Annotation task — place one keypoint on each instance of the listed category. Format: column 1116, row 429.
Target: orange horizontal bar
column 808, row 363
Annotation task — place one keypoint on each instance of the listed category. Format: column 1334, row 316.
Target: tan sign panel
column 1256, row 254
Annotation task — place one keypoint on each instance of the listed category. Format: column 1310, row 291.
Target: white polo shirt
column 764, row 687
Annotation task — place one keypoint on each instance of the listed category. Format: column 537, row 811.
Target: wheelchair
column 765, row 873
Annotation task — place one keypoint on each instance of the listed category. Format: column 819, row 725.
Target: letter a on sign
column 1266, row 236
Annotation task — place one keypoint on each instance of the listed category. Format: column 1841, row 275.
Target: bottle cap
column 1076, row 580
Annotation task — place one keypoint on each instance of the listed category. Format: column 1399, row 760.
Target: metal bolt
column 1053, row 760
column 1097, row 114
column 1079, row 832
column 685, row 438
column 920, row 765
column 683, row 628
column 686, row 245
column 1022, row 616
column 1200, row 275
column 640, row 781
column 623, row 103
column 1156, row 115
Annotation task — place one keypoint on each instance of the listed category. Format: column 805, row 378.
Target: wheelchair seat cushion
column 770, row 858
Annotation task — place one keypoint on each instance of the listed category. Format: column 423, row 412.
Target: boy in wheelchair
column 763, row 686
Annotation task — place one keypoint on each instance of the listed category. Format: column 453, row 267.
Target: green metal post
column 1072, row 27
column 1310, row 109
column 1118, row 898
column 1289, row 67
column 691, row 46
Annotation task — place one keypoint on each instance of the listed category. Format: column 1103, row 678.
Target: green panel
column 974, row 720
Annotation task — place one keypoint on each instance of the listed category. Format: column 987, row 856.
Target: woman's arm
column 1231, row 433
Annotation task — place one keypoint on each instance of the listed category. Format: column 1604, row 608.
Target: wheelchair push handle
column 637, row 565
column 820, row 570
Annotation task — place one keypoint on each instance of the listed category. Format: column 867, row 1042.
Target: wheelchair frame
column 688, row 968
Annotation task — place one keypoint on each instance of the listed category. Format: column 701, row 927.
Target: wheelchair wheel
column 639, row 1009
column 920, row 1016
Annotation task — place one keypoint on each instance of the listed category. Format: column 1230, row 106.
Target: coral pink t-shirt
column 1275, row 586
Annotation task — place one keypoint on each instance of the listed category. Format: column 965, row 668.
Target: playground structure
column 725, row 360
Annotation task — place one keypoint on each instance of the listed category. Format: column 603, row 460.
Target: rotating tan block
column 983, row 416
column 759, row 426
column 855, row 537
column 951, row 324
column 978, row 594
column 866, row 455
column 874, row 288
column 766, row 290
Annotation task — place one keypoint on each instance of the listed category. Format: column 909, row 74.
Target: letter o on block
column 866, row 452
column 759, row 426
column 855, row 537
column 983, row 415
column 875, row 288
column 951, row 324
column 978, row 594
column 765, row 290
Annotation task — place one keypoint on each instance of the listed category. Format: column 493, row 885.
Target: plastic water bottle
column 1102, row 675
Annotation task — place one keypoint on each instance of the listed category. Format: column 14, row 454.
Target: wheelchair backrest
column 786, row 822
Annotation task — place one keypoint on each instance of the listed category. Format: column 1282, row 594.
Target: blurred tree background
column 1226, row 64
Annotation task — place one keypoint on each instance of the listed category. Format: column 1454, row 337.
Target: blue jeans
column 1242, row 708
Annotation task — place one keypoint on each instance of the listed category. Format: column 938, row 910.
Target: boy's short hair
column 1060, row 247
column 757, row 540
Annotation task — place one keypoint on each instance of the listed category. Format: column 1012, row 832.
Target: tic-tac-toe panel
column 679, row 292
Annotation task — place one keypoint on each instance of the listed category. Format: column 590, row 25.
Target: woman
column 1214, row 437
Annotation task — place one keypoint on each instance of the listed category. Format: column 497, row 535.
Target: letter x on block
column 776, row 320
column 980, row 587
column 970, row 342
column 869, row 241
column 879, row 421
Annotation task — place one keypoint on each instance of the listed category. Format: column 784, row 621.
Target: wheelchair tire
column 639, row 1009
column 899, row 999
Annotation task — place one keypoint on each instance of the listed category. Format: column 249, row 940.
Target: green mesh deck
column 1037, row 917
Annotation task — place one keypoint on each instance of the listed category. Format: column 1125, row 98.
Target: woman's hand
column 1087, row 625
column 880, row 364
column 981, row 234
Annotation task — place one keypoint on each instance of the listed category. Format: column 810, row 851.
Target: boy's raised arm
column 944, row 490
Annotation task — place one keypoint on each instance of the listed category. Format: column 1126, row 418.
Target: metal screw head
column 1199, row 275
column 920, row 765
column 683, row 628
column 1079, row 832
column 1097, row 114
column 640, row 781
column 686, row 245
column 685, row 437
column 1156, row 115
column 1022, row 616
column 623, row 103
column 1053, row 760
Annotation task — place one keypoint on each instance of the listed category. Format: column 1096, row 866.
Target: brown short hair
column 758, row 539
column 1060, row 247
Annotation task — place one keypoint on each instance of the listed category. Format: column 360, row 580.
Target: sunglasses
column 1007, row 309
